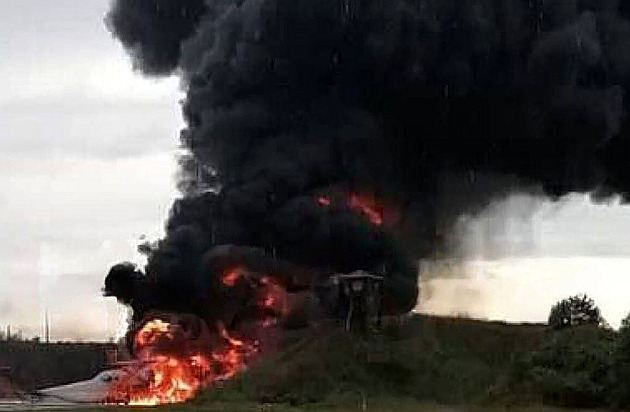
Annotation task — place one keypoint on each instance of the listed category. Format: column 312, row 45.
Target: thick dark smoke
column 289, row 100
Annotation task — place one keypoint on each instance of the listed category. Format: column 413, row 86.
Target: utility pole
column 46, row 328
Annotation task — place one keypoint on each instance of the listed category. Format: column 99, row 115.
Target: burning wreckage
column 184, row 344
column 324, row 137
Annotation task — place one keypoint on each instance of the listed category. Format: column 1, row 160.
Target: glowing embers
column 269, row 301
column 324, row 201
column 265, row 292
column 165, row 372
column 361, row 204
column 231, row 277
column 272, row 301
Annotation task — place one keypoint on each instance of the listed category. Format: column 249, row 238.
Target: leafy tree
column 573, row 311
column 572, row 367
column 621, row 365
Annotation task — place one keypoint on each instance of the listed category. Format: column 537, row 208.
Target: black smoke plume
column 291, row 100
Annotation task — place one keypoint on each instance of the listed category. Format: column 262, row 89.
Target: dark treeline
column 35, row 365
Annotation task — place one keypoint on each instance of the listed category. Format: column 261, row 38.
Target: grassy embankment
column 423, row 364
column 425, row 359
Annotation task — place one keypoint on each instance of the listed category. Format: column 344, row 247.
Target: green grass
column 426, row 359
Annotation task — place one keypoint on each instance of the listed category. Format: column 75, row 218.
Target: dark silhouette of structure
column 361, row 300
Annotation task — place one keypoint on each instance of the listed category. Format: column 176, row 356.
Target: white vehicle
column 95, row 390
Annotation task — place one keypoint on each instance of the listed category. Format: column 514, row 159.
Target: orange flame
column 162, row 378
column 151, row 331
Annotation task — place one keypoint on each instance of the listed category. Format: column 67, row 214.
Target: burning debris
column 168, row 370
column 321, row 152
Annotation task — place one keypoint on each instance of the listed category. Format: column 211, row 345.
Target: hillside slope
column 444, row 360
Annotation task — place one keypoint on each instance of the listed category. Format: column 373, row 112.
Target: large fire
column 171, row 366
column 167, row 372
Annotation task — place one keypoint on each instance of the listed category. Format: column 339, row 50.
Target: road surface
column 10, row 406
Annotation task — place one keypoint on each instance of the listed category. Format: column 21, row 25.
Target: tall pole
column 47, row 328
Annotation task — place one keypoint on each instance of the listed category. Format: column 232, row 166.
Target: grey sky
column 527, row 226
column 87, row 163
column 521, row 255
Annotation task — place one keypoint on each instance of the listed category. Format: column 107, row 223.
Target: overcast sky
column 522, row 255
column 87, row 164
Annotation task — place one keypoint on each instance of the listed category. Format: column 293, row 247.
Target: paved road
column 9, row 406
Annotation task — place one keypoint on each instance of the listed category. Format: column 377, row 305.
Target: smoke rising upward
column 291, row 100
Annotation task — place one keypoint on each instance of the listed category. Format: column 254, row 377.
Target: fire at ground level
column 417, row 363
column 203, row 308
column 177, row 354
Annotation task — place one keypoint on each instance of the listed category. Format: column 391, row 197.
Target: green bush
column 574, row 311
column 573, row 366
column 621, row 365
